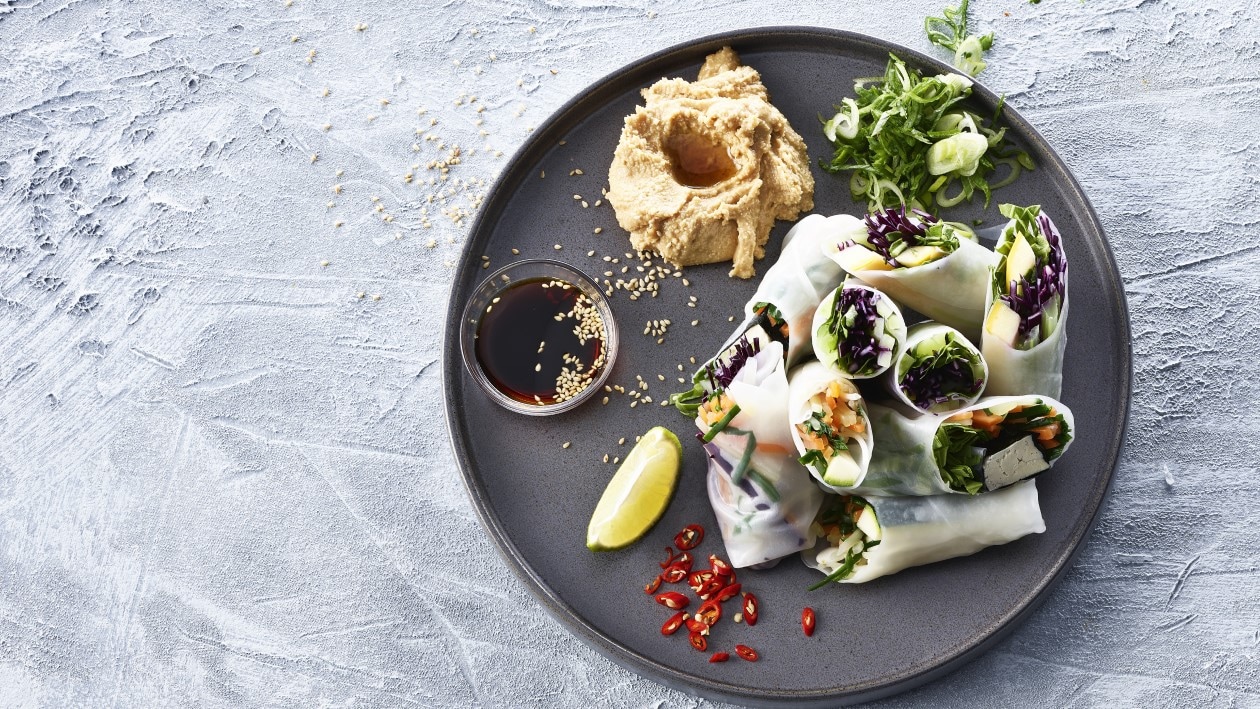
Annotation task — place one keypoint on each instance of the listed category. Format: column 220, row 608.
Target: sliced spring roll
column 763, row 509
column 829, row 426
column 939, row 370
column 748, row 401
column 860, row 539
column 785, row 300
column 934, row 267
column 858, row 331
column 1025, row 330
column 989, row 445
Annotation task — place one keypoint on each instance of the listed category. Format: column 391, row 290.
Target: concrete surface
column 224, row 480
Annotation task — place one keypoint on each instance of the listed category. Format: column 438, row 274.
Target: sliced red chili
column 711, row 588
column 699, row 578
column 807, row 621
column 720, row 657
column 652, row 585
column 682, row 561
column 673, row 574
column 698, row 642
column 674, row 623
column 673, row 600
column 746, row 652
column 750, row 609
column 670, row 557
column 696, row 625
column 690, row 537
column 727, row 593
column 719, row 566
column 710, row 611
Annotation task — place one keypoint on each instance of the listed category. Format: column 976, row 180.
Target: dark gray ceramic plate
column 535, row 497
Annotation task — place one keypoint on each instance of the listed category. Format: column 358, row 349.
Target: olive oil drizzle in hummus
column 704, row 168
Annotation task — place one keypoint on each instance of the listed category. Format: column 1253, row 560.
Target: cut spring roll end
column 830, row 426
column 858, row 331
column 939, row 370
column 1001, row 441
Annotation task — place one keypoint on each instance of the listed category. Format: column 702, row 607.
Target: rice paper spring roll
column 934, row 267
column 1025, row 331
column 763, row 498
column 991, row 444
column 785, row 300
column 861, row 539
column 748, row 402
column 763, row 510
column 858, row 331
column 829, row 426
column 939, row 370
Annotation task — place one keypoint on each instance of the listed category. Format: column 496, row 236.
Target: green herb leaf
column 850, row 562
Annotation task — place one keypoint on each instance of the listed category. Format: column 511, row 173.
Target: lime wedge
column 638, row 493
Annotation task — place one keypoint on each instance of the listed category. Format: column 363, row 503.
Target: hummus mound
column 705, row 167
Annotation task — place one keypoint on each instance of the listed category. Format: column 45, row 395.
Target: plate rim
column 672, row 677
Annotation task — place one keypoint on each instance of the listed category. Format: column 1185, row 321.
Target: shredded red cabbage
column 722, row 373
column 930, row 382
column 855, row 338
column 1028, row 298
column 884, row 228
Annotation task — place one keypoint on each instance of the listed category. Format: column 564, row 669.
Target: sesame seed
column 599, row 230
column 557, row 247
column 566, row 444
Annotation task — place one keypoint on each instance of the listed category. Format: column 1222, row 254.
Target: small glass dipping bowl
column 486, row 295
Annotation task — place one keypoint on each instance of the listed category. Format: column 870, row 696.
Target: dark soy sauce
column 521, row 346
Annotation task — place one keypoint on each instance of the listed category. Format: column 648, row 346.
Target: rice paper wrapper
column 1038, row 370
column 798, row 280
column 903, row 463
column 952, row 289
column 806, row 381
column 1033, row 371
column 923, row 530
column 826, row 349
column 757, row 528
column 760, row 389
column 926, row 331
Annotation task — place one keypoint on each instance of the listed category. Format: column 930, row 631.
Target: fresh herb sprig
column 950, row 32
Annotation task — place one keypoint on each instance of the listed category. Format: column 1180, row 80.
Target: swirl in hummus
column 705, row 167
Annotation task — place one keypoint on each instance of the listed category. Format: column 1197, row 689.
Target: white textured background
column 224, row 480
